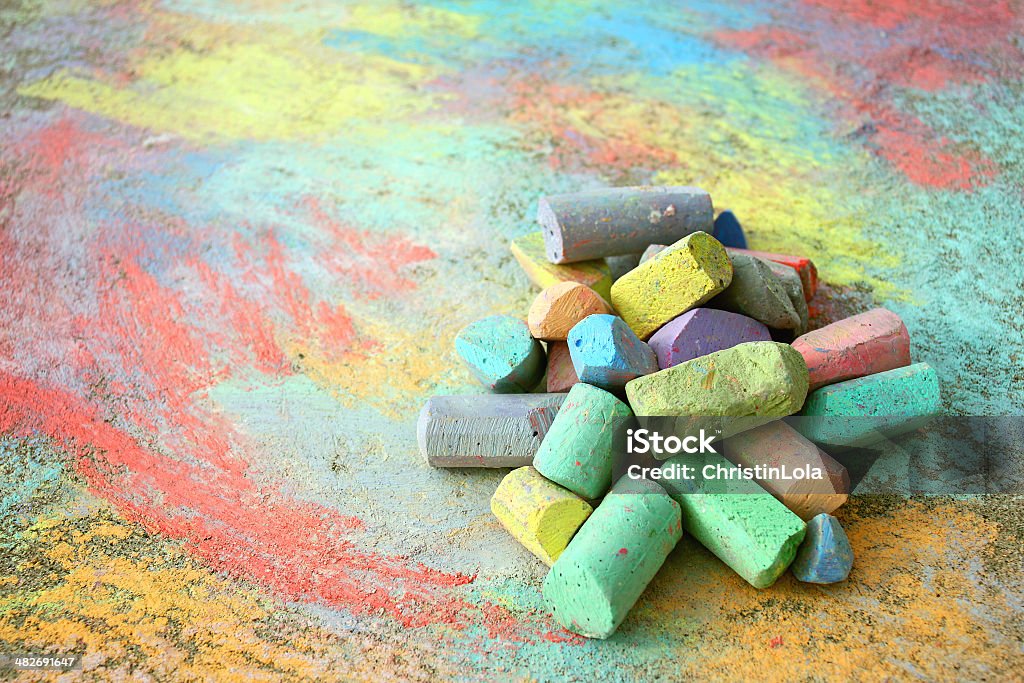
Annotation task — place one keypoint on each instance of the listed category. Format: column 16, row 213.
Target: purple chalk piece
column 703, row 331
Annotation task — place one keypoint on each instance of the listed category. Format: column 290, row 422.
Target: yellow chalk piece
column 538, row 513
column 684, row 275
column 529, row 251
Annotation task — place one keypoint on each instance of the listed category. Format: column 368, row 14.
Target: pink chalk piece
column 703, row 331
column 866, row 344
column 561, row 372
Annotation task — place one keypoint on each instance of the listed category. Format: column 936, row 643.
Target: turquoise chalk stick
column 866, row 410
column 611, row 559
column 577, row 451
column 500, row 351
column 606, row 353
column 826, row 555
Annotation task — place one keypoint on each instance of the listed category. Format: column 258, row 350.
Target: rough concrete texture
column 685, row 275
column 236, row 243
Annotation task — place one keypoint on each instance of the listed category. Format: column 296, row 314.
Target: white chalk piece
column 485, row 430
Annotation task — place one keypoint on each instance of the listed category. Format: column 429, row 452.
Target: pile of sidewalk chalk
column 700, row 326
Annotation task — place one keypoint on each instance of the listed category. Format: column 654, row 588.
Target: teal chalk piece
column 502, row 354
column 826, row 555
column 606, row 353
column 867, row 410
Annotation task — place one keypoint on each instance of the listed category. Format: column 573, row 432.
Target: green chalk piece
column 757, row 379
column 577, row 450
column 742, row 524
column 794, row 288
column 757, row 293
column 611, row 559
column 502, row 354
column 866, row 410
column 528, row 250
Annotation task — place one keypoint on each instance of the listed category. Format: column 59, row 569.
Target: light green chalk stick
column 742, row 524
column 612, row 558
column 577, row 450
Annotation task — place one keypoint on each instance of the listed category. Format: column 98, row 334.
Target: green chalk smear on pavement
column 742, row 524
column 612, row 558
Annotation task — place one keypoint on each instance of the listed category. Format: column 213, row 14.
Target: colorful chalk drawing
column 236, row 243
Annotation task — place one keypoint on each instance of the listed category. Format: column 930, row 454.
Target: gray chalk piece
column 790, row 280
column 757, row 293
column 485, row 430
column 620, row 220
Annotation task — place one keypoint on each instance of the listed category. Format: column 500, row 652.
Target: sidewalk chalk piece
column 727, row 230
column 607, row 354
column 864, row 344
column 757, row 293
column 703, row 331
column 538, row 513
column 528, row 250
column 620, row 220
column 778, row 445
column 615, row 554
column 485, row 430
column 802, row 265
column 685, row 275
column 651, row 251
column 737, row 520
column 826, row 555
column 500, row 351
column 622, row 264
column 577, row 451
column 863, row 411
column 756, row 379
column 560, row 306
column 561, row 373
column 794, row 289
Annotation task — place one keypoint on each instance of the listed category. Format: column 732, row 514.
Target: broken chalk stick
column 620, row 220
column 825, row 555
column 863, row 411
column 560, row 306
column 685, row 275
column 727, row 230
column 777, row 445
column 802, row 265
column 737, row 520
column 763, row 379
column 561, row 373
column 500, row 351
column 577, row 451
column 488, row 430
column 651, row 251
column 538, row 513
column 864, row 344
column 703, row 331
column 607, row 354
column 757, row 293
column 794, row 289
column 612, row 558
column 528, row 250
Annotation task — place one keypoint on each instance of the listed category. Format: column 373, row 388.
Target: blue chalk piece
column 727, row 230
column 606, row 353
column 500, row 351
column 826, row 555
